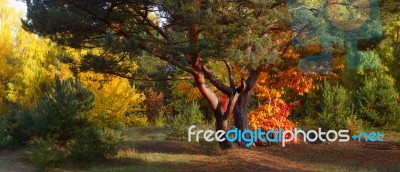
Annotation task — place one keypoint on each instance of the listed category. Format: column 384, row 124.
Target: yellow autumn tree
column 115, row 99
column 26, row 61
column 6, row 41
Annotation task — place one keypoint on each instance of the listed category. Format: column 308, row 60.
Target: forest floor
column 146, row 149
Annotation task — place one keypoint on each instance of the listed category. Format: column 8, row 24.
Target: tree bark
column 240, row 112
column 221, row 123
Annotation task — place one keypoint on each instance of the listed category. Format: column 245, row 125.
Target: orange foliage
column 294, row 80
column 191, row 92
column 273, row 113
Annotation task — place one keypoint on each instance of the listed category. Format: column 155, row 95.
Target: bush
column 62, row 110
column 15, row 127
column 187, row 116
column 154, row 105
column 46, row 153
column 115, row 99
column 137, row 121
column 354, row 125
column 5, row 135
column 92, row 144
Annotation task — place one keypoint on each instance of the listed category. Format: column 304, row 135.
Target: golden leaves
column 273, row 112
column 114, row 97
column 186, row 88
column 26, row 60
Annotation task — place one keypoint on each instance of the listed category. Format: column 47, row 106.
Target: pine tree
column 337, row 108
column 377, row 101
column 187, row 35
column 63, row 110
column 62, row 119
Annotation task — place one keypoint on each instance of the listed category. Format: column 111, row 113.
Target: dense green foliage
column 59, row 127
column 336, row 107
column 15, row 127
column 69, row 130
column 187, row 116
column 377, row 101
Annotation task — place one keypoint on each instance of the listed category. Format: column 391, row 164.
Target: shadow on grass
column 123, row 165
column 198, row 166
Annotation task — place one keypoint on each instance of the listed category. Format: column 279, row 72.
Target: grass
column 148, row 149
column 391, row 136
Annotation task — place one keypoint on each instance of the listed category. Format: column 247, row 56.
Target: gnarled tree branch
column 216, row 82
column 230, row 73
column 234, row 98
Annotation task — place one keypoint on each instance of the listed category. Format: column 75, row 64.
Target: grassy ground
column 146, row 149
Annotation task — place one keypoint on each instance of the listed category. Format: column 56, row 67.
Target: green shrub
column 136, row 120
column 377, row 101
column 92, row 144
column 160, row 121
column 5, row 135
column 46, row 153
column 62, row 111
column 15, row 127
column 354, row 125
column 187, row 116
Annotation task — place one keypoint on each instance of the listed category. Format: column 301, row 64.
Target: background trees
column 345, row 102
column 44, row 104
column 26, row 60
column 244, row 38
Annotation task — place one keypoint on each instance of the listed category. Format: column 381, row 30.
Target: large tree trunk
column 240, row 111
column 240, row 114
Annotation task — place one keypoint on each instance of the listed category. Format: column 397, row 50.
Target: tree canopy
column 187, row 34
